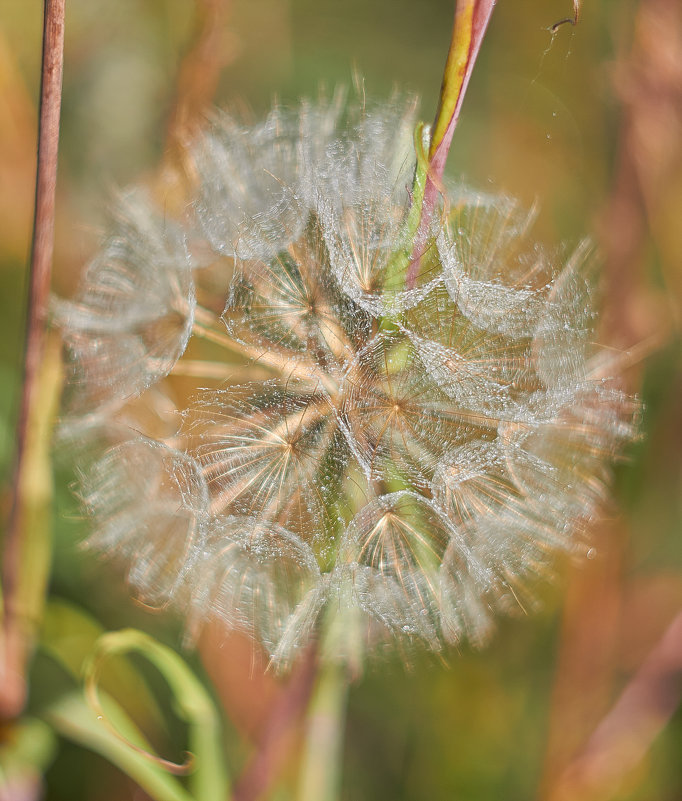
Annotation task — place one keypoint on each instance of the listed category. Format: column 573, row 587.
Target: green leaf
column 71, row 717
column 69, row 635
column 208, row 781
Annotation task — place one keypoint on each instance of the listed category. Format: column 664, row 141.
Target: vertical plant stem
column 320, row 776
column 43, row 225
column 279, row 736
column 15, row 647
column 469, row 27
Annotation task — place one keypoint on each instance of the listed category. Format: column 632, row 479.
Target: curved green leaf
column 208, row 780
column 71, row 717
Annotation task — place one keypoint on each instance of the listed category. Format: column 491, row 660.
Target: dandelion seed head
column 376, row 459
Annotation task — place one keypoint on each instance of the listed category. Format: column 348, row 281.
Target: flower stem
column 470, row 24
column 279, row 736
column 15, row 639
column 320, row 775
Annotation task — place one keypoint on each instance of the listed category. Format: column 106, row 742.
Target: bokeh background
column 587, row 121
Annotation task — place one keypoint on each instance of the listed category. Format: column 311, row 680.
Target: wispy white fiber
column 389, row 464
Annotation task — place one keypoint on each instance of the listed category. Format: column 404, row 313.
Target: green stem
column 320, row 776
column 407, row 238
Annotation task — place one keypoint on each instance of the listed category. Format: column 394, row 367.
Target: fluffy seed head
column 379, row 462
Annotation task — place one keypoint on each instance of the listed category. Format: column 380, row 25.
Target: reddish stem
column 276, row 744
column 13, row 656
column 458, row 69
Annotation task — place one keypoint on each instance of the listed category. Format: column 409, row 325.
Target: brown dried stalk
column 12, row 688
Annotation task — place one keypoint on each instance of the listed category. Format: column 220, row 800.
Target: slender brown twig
column 14, row 650
column 197, row 80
